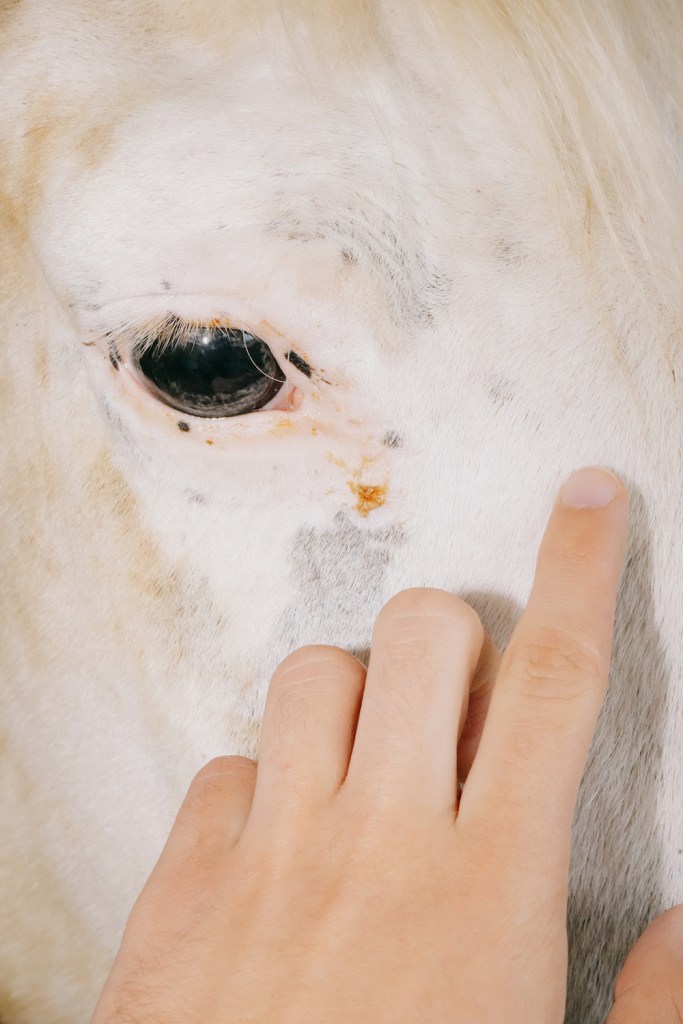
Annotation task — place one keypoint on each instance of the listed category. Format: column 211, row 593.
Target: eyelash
column 167, row 331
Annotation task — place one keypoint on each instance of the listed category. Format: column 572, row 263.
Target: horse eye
column 214, row 371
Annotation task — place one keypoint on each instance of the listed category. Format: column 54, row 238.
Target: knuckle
column 554, row 665
column 226, row 766
column 297, row 682
column 219, row 778
column 293, row 695
column 211, row 795
column 417, row 603
column 311, row 664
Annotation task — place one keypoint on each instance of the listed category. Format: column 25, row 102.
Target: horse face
column 281, row 339
column 192, row 204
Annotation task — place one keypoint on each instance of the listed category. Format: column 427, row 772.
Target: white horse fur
column 466, row 216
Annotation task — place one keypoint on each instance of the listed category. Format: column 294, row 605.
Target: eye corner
column 299, row 363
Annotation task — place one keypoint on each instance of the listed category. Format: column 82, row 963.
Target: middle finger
column 426, row 645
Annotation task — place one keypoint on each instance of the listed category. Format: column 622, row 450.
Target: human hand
column 344, row 880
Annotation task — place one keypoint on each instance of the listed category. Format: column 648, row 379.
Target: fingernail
column 590, row 487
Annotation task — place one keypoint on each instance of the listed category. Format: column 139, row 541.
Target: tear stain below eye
column 283, row 426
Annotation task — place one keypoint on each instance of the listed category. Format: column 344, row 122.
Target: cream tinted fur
column 392, row 215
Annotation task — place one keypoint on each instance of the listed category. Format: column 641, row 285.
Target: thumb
column 650, row 985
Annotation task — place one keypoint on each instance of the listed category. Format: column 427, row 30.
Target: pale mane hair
column 595, row 88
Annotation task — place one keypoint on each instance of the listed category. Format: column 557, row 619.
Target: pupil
column 217, row 371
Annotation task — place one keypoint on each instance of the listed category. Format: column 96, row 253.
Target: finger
column 190, row 872
column 551, row 685
column 481, row 689
column 650, row 984
column 307, row 732
column 425, row 648
column 211, row 817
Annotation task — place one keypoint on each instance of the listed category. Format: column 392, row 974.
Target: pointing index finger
column 552, row 681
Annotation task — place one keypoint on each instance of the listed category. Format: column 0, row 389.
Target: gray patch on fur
column 510, row 252
column 499, row 391
column 338, row 580
column 415, row 288
column 195, row 497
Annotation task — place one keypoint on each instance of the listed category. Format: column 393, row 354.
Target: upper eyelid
column 140, row 339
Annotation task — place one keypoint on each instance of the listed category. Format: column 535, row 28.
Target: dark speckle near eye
column 392, row 440
column 300, row 363
column 499, row 391
column 166, row 285
column 182, row 425
column 195, row 497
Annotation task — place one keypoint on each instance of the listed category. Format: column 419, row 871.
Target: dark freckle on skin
column 182, row 425
column 300, row 364
column 392, row 440
column 166, row 285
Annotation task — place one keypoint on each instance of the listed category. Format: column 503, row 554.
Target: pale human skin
column 344, row 879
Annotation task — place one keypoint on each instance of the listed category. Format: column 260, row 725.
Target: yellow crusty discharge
column 369, row 498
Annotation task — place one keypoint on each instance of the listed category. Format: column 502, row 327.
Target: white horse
column 303, row 304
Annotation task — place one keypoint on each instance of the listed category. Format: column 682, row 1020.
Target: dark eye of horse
column 215, row 371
